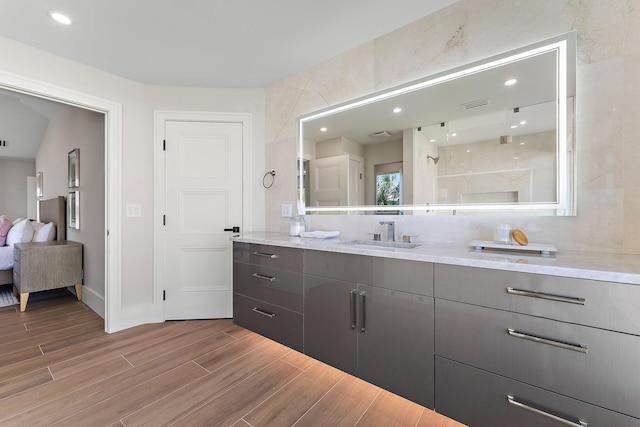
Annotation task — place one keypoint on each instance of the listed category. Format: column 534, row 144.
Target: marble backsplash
column 607, row 114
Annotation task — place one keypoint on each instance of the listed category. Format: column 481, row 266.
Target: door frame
column 111, row 306
column 160, row 118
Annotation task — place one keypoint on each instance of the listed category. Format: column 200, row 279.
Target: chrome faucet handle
column 391, row 234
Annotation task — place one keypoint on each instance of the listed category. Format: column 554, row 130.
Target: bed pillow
column 5, row 226
column 20, row 233
column 44, row 232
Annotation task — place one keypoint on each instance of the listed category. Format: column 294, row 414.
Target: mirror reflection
column 493, row 136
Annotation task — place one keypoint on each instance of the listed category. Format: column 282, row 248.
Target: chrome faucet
column 391, row 234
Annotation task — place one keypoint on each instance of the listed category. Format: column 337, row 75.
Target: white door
column 329, row 181
column 203, row 163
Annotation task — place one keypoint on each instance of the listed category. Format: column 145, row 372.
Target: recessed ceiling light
column 60, row 18
column 511, row 82
column 454, row 134
column 397, row 110
column 524, row 122
column 323, row 129
column 432, row 140
column 514, row 126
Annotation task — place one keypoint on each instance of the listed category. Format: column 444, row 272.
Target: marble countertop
column 584, row 265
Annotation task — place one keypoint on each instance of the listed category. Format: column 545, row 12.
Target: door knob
column 234, row 229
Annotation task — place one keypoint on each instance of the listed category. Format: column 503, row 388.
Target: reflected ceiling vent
column 476, row 104
column 381, row 134
column 4, row 143
column 506, row 139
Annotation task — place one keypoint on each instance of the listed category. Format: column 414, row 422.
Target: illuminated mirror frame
column 563, row 45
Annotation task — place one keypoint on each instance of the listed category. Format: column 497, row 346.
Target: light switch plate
column 287, row 210
column 134, row 210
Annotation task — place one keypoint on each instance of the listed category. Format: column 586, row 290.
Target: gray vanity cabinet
column 531, row 349
column 360, row 318
column 395, row 349
column 267, row 291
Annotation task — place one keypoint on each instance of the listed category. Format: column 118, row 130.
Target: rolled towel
column 320, row 234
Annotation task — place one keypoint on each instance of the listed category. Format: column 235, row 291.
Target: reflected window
column 388, row 184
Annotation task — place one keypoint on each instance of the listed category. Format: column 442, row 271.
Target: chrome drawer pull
column 264, row 313
column 541, row 295
column 362, row 326
column 352, row 308
column 264, row 254
column 577, row 423
column 568, row 346
column 263, row 277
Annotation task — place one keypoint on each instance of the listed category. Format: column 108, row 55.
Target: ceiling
column 206, row 43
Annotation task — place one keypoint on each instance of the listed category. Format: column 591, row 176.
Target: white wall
column 607, row 111
column 13, row 186
column 137, row 304
column 70, row 128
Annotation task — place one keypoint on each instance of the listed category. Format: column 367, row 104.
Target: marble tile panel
column 599, row 120
column 632, row 27
column 498, row 26
column 429, row 45
column 631, row 122
column 631, row 237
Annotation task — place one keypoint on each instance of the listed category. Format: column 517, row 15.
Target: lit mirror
column 493, row 136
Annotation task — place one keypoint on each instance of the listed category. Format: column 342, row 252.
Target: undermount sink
column 381, row 244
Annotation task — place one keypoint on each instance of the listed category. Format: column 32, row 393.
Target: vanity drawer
column 276, row 323
column 346, row 267
column 415, row 277
column 279, row 287
column 479, row 398
column 607, row 305
column 268, row 256
column 543, row 352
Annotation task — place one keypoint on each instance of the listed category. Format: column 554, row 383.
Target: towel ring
column 273, row 174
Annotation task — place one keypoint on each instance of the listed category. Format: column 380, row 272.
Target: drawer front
column 544, row 353
column 347, row 267
column 278, row 287
column 479, row 398
column 415, row 277
column 605, row 305
column 273, row 322
column 268, row 256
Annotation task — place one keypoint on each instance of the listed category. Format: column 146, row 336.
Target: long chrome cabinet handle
column 264, row 313
column 577, row 423
column 264, row 254
column 362, row 325
column 263, row 277
column 542, row 295
column 352, row 308
column 568, row 346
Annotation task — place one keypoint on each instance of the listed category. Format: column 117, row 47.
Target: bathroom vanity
column 486, row 338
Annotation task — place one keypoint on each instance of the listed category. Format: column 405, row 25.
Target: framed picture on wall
column 73, row 210
column 73, row 162
column 39, row 188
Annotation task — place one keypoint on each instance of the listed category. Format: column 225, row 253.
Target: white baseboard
column 94, row 300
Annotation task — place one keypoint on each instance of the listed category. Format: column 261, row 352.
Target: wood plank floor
column 58, row 367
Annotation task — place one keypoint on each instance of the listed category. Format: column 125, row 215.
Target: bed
column 51, row 210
